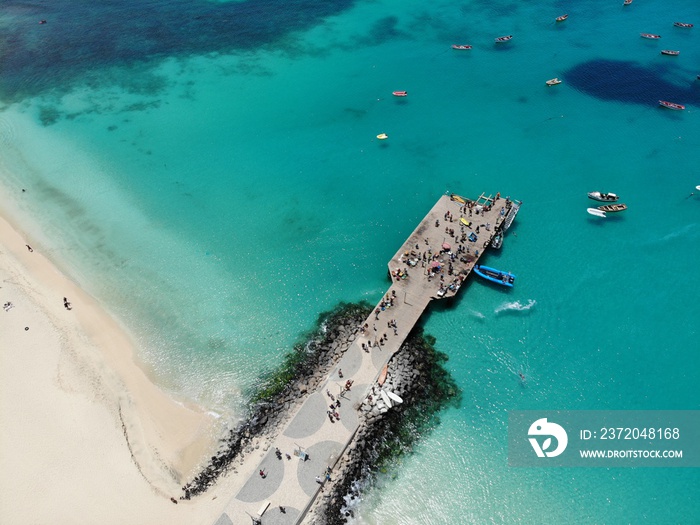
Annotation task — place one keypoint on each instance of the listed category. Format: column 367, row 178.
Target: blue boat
column 495, row 276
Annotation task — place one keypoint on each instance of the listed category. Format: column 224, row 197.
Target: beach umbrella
column 435, row 264
column 446, row 246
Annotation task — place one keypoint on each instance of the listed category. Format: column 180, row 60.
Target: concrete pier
column 432, row 264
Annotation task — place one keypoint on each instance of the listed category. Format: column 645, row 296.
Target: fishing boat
column 495, row 276
column 562, row 18
column 650, row 35
column 461, row 47
column 671, row 105
column 604, row 197
column 400, row 93
column 670, row 52
column 681, row 24
column 553, row 82
column 596, row 212
column 497, row 240
column 501, row 39
column 613, row 207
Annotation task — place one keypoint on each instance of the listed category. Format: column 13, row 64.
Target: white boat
column 385, row 398
column 553, row 82
column 394, row 397
column 596, row 212
column 603, row 197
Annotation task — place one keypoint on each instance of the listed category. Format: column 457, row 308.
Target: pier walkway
column 432, row 264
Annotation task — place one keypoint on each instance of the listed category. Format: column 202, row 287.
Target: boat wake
column 476, row 314
column 515, row 306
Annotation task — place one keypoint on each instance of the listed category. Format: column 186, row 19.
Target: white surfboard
column 596, row 212
column 385, row 398
column 394, row 397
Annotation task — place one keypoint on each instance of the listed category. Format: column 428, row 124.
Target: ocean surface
column 209, row 171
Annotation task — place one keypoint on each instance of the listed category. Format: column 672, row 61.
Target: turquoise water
column 211, row 174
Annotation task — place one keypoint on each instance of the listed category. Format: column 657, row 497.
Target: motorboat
column 681, row 24
column 497, row 240
column 603, row 197
column 501, row 39
column 628, row 2
column 650, row 35
column 596, row 212
column 382, row 136
column 671, row 105
column 553, row 82
column 562, row 18
column 461, row 47
column 494, row 275
column 670, row 52
column 400, row 93
column 613, row 207
column 512, row 209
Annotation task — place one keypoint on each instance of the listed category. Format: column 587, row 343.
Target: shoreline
column 79, row 414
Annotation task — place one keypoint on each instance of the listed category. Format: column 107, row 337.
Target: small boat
column 670, row 52
column 604, row 197
column 697, row 187
column 562, row 18
column 382, row 136
column 465, row 222
column 400, row 93
column 382, row 375
column 501, row 39
column 457, row 198
column 497, row 240
column 613, row 207
column 649, row 35
column 671, row 105
column 495, row 276
column 553, row 82
column 461, row 47
column 596, row 212
column 681, row 24
column 396, row 399
column 627, row 2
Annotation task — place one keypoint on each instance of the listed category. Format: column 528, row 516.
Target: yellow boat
column 457, row 198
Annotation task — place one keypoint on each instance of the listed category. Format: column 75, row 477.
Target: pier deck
column 416, row 281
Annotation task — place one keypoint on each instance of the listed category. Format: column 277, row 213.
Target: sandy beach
column 86, row 436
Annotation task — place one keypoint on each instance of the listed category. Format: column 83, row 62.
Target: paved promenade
column 430, row 265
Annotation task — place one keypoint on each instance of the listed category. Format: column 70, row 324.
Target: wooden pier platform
column 432, row 264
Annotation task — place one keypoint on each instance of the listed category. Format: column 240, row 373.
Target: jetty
column 281, row 479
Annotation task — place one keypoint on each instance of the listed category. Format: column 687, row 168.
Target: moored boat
column 461, row 46
column 670, row 52
column 562, row 18
column 650, row 35
column 512, row 209
column 681, row 24
column 604, row 197
column 671, row 105
column 400, row 93
column 553, row 82
column 596, row 212
column 504, row 38
column 494, row 275
column 613, row 207
column 497, row 240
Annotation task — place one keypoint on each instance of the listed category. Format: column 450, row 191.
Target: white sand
column 85, row 436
